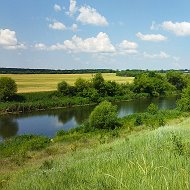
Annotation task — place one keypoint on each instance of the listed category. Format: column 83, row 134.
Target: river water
column 47, row 123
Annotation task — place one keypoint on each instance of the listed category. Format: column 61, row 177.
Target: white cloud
column 161, row 55
column 74, row 27
column 40, row 46
column 178, row 28
column 151, row 37
column 90, row 15
column 57, row 26
column 57, row 8
column 72, row 7
column 99, row 44
column 8, row 40
column 128, row 45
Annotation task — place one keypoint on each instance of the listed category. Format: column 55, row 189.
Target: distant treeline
column 135, row 72
column 124, row 73
column 51, row 71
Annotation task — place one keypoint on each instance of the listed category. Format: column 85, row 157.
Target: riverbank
column 40, row 101
column 80, row 159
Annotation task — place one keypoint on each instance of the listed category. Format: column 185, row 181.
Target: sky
column 95, row 34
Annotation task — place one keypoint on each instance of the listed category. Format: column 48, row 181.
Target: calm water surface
column 49, row 122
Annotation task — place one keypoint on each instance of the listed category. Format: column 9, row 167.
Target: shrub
column 152, row 109
column 104, row 116
column 8, row 88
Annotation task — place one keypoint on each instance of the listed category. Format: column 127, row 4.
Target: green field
column 48, row 82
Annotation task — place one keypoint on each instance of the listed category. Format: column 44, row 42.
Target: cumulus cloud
column 127, row 47
column 57, row 8
column 161, row 55
column 151, row 37
column 57, row 26
column 90, row 15
column 178, row 28
column 8, row 40
column 99, row 44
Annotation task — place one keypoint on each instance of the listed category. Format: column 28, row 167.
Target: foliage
column 8, row 88
column 184, row 102
column 21, row 144
column 152, row 109
column 98, row 83
column 177, row 79
column 104, row 116
column 65, row 89
column 153, row 84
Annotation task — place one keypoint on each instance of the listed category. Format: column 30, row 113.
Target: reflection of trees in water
column 80, row 114
column 8, row 127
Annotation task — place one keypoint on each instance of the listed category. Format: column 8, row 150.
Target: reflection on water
column 8, row 127
column 49, row 122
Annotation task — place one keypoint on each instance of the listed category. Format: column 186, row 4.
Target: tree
column 99, row 83
column 184, row 103
column 8, row 88
column 64, row 88
column 104, row 116
column 177, row 79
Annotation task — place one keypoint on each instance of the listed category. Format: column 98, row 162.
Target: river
column 47, row 123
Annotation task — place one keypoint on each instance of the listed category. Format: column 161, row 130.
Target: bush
column 65, row 89
column 8, row 88
column 152, row 109
column 104, row 116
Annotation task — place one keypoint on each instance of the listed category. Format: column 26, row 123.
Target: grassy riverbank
column 126, row 158
column 28, row 102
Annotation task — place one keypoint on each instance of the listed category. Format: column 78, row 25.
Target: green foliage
column 65, row 89
column 177, row 79
column 104, row 116
column 152, row 109
column 153, row 84
column 21, row 144
column 8, row 88
column 138, row 120
column 98, row 83
column 183, row 103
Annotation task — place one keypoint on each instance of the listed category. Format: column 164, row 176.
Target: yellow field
column 48, row 82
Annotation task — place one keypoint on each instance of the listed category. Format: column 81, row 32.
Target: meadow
column 48, row 82
column 150, row 159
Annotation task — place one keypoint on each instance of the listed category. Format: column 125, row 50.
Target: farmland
column 48, row 82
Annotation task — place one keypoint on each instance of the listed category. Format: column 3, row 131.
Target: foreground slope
column 156, row 159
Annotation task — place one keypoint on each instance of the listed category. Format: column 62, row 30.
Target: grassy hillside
column 48, row 82
column 157, row 159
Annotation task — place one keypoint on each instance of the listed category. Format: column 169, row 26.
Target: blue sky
column 79, row 34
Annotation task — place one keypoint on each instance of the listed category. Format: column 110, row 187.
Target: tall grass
column 157, row 159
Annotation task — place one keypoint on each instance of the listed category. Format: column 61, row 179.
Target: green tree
column 104, row 116
column 177, row 79
column 64, row 88
column 184, row 102
column 99, row 83
column 8, row 88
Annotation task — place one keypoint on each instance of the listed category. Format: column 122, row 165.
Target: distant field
column 48, row 82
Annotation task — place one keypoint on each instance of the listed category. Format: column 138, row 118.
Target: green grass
column 147, row 160
column 48, row 82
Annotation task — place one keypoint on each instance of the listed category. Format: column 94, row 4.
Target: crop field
column 48, row 82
